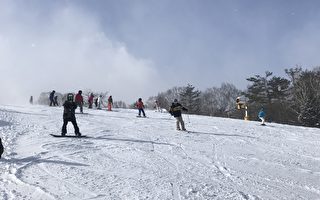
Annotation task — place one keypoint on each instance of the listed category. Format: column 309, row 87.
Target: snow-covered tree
column 307, row 97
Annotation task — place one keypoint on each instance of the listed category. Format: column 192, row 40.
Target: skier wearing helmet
column 69, row 115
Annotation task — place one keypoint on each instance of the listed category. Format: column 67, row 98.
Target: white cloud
column 68, row 51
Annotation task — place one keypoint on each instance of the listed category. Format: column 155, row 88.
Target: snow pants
column 64, row 126
column 141, row 110
column 262, row 119
column 80, row 106
column 51, row 102
column 109, row 106
column 180, row 121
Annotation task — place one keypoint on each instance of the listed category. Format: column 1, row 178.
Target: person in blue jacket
column 262, row 116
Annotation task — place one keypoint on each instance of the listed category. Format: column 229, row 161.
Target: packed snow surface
column 125, row 157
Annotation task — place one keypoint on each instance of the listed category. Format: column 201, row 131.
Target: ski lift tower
column 241, row 104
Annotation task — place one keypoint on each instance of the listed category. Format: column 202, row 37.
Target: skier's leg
column 144, row 114
column 64, row 127
column 81, row 108
column 139, row 112
column 182, row 124
column 178, row 123
column 76, row 128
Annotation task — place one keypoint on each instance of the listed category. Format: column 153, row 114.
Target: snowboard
column 73, row 136
column 184, row 131
column 141, row 116
column 263, row 124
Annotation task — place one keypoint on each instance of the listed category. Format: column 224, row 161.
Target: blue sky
column 137, row 48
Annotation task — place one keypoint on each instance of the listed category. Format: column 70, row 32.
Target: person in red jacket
column 79, row 100
column 90, row 100
column 140, row 107
column 110, row 103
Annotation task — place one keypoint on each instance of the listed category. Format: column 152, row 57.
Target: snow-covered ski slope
column 126, row 157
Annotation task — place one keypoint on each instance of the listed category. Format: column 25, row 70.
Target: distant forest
column 292, row 100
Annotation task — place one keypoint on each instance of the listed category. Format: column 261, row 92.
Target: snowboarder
column 90, row 100
column 51, row 98
column 262, row 116
column 1, row 148
column 69, row 115
column 79, row 100
column 175, row 110
column 140, row 107
column 110, row 103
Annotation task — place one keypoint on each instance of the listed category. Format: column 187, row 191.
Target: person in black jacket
column 51, row 98
column 69, row 115
column 175, row 110
column 1, row 148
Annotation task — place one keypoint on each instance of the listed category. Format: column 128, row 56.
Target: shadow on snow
column 219, row 134
column 35, row 160
column 131, row 140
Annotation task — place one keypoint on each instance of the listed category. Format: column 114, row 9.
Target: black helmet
column 70, row 97
column 80, row 91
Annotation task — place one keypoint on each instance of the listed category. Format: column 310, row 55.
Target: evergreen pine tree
column 190, row 98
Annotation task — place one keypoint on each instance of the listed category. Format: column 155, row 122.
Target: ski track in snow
column 125, row 157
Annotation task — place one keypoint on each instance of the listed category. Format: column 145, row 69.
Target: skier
column 51, row 97
column 262, row 116
column 110, row 103
column 175, row 110
column 1, row 148
column 69, row 115
column 90, row 100
column 79, row 100
column 140, row 107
